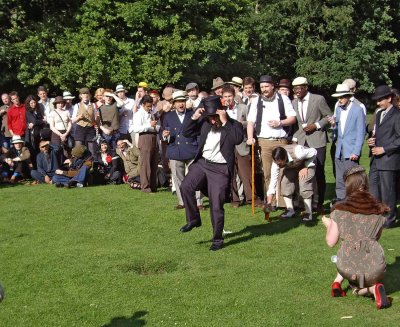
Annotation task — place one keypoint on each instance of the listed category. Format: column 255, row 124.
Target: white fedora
column 341, row 90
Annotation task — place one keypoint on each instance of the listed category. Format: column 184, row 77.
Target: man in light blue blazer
column 349, row 126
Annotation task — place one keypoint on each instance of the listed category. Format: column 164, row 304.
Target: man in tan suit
column 312, row 113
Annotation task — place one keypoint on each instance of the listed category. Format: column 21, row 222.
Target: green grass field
column 110, row 256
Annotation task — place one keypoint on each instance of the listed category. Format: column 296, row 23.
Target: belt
column 274, row 138
column 148, row 133
column 212, row 162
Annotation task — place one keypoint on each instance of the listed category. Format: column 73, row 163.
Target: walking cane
column 252, row 179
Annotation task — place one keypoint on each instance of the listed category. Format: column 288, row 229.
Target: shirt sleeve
column 252, row 116
column 289, row 110
column 274, row 179
column 306, row 154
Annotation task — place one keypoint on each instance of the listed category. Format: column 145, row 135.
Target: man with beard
column 213, row 165
column 270, row 117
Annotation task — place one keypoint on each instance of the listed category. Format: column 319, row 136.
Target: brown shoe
column 179, row 206
column 320, row 210
column 235, row 204
column 201, row 207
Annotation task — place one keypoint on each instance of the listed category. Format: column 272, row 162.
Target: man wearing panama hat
column 180, row 150
column 385, row 149
column 348, row 124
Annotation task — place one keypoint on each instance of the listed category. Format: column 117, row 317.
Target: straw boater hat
column 300, row 81
column 120, row 88
column 237, row 81
column 179, row 95
column 59, row 99
column 342, row 90
column 67, row 95
column 217, row 82
column 17, row 139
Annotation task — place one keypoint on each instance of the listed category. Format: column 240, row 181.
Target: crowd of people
column 213, row 144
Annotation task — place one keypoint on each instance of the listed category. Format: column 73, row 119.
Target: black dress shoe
column 59, row 185
column 189, row 227
column 216, row 247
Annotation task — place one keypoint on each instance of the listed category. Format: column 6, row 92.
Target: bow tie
column 344, row 107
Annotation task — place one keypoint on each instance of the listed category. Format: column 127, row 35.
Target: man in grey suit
column 242, row 151
column 312, row 113
column 385, row 149
column 348, row 124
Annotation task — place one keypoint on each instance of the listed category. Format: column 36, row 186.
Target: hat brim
column 234, row 83
column 122, row 90
column 69, row 97
column 17, row 141
column 179, row 99
column 341, row 94
column 218, row 85
column 380, row 96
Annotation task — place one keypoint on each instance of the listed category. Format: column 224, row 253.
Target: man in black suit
column 213, row 164
column 385, row 150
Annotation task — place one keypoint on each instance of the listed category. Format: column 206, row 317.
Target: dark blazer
column 179, row 146
column 48, row 167
column 387, row 134
column 231, row 135
column 99, row 165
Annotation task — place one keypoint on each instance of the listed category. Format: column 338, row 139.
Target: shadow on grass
column 250, row 232
column 392, row 279
column 135, row 321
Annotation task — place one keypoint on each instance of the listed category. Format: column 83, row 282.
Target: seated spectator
column 48, row 161
column 77, row 172
column 358, row 222
column 105, row 166
column 17, row 161
column 130, row 157
column 298, row 166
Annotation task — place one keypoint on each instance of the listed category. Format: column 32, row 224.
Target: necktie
column 382, row 116
column 301, row 103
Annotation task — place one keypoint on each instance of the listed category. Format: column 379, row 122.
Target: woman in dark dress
column 34, row 124
column 106, row 166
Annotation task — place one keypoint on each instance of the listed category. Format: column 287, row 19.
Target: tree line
column 68, row 44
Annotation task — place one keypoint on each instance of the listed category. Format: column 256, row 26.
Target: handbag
column 70, row 140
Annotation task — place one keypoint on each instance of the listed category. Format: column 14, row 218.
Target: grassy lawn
column 110, row 256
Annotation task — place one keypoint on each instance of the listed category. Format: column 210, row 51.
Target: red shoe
column 336, row 290
column 382, row 301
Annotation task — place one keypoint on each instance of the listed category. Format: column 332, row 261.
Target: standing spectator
column 358, row 221
column 108, row 118
column 48, row 161
column 68, row 97
column 129, row 154
column 125, row 113
column 237, row 84
column 16, row 116
column 45, row 102
column 180, row 150
column 284, row 87
column 212, row 170
column 60, row 125
column 385, row 149
column 105, row 166
column 84, row 117
column 270, row 117
column 312, row 113
column 5, row 135
column 35, row 121
column 99, row 97
column 348, row 124
column 242, row 166
column 249, row 87
column 140, row 93
column 193, row 101
column 217, row 85
column 145, row 124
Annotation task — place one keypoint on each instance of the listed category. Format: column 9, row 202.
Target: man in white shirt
column 125, row 113
column 45, row 102
column 212, row 167
column 145, row 124
column 192, row 90
column 298, row 166
column 269, row 119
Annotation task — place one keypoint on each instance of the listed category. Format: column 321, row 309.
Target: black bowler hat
column 211, row 104
column 382, row 91
column 266, row 79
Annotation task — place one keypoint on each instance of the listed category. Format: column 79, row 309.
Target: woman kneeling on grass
column 358, row 221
